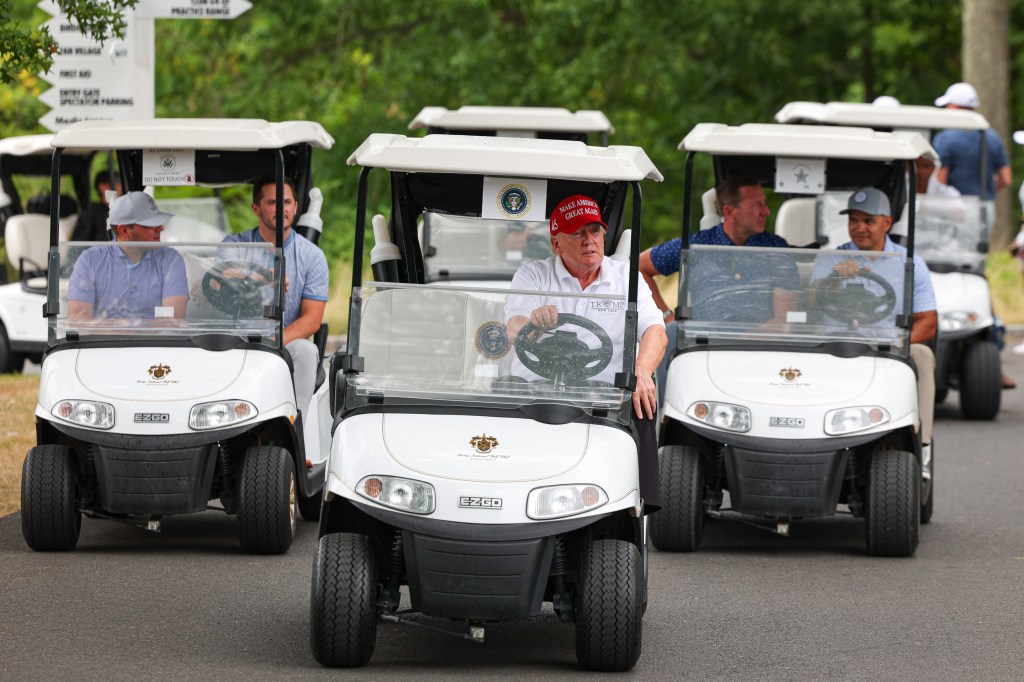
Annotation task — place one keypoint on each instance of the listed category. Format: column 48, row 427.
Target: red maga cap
column 573, row 213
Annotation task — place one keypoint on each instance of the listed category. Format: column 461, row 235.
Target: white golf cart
column 794, row 409
column 22, row 327
column 952, row 237
column 142, row 414
column 485, row 474
column 452, row 250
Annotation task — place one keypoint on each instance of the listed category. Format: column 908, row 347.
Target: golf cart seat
column 709, row 201
column 438, row 328
column 622, row 248
column 28, row 243
column 796, row 222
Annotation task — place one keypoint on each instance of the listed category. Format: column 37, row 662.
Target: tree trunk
column 986, row 66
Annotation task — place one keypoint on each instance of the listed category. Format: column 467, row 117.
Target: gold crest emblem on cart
column 159, row 371
column 790, row 373
column 483, row 444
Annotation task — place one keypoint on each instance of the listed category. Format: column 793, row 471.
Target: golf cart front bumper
column 149, row 475
column 469, row 571
column 784, row 485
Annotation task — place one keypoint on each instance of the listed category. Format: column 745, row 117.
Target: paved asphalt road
column 749, row 605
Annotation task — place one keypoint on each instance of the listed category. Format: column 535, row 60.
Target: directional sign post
column 114, row 80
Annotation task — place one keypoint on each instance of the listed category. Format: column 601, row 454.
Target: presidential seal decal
column 492, row 340
column 513, row 200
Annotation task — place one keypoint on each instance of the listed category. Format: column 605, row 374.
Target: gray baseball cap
column 869, row 200
column 137, row 208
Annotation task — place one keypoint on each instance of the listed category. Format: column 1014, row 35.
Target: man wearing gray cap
column 869, row 219
column 126, row 282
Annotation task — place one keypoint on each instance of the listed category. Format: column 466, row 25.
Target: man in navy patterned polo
column 745, row 214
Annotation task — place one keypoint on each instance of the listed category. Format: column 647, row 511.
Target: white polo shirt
column 550, row 275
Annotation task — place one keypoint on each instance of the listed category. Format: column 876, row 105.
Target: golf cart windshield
column 457, row 247
column 152, row 289
column 950, row 232
column 744, row 295
column 451, row 344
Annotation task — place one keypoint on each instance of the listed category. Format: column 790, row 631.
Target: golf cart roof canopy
column 192, row 133
column 813, row 142
column 551, row 119
column 26, row 145
column 874, row 116
column 504, row 156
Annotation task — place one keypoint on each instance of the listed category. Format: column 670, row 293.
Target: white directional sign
column 96, row 81
column 192, row 9
column 113, row 80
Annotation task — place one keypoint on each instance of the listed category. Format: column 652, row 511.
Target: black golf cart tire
column 892, row 518
column 10, row 362
column 609, row 606
column 50, row 519
column 679, row 525
column 309, row 507
column 342, row 601
column 266, row 500
column 981, row 386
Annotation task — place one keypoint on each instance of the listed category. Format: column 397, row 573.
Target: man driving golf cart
column 579, row 264
column 870, row 220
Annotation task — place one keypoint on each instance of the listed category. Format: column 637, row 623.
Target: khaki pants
column 924, row 359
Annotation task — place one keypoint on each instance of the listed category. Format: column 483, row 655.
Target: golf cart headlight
column 89, row 413
column 850, row 419
column 220, row 413
column 957, row 319
column 400, row 493
column 721, row 415
column 564, row 500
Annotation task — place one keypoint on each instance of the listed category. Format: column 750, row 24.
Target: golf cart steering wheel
column 853, row 303
column 237, row 296
column 562, row 356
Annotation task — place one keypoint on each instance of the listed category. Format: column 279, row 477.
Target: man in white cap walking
column 961, row 153
column 123, row 282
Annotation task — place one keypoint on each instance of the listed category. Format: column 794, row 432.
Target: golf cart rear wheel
column 892, row 518
column 981, row 386
column 266, row 501
column 679, row 525
column 342, row 602
column 309, row 507
column 609, row 608
column 50, row 520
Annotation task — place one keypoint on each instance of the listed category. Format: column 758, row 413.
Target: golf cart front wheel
column 342, row 601
column 892, row 515
column 50, row 520
column 609, row 606
column 981, row 385
column 679, row 525
column 266, row 501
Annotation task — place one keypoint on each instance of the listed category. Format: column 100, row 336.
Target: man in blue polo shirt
column 306, row 280
column 770, row 284
column 126, row 282
column 869, row 220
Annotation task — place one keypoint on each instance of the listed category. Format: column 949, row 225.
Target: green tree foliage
column 29, row 49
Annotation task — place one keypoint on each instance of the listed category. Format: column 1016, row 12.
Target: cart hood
column 157, row 374
column 797, row 379
column 961, row 292
column 483, row 448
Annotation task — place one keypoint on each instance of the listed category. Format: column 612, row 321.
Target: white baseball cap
column 886, row 101
column 1018, row 136
column 137, row 208
column 960, row 94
